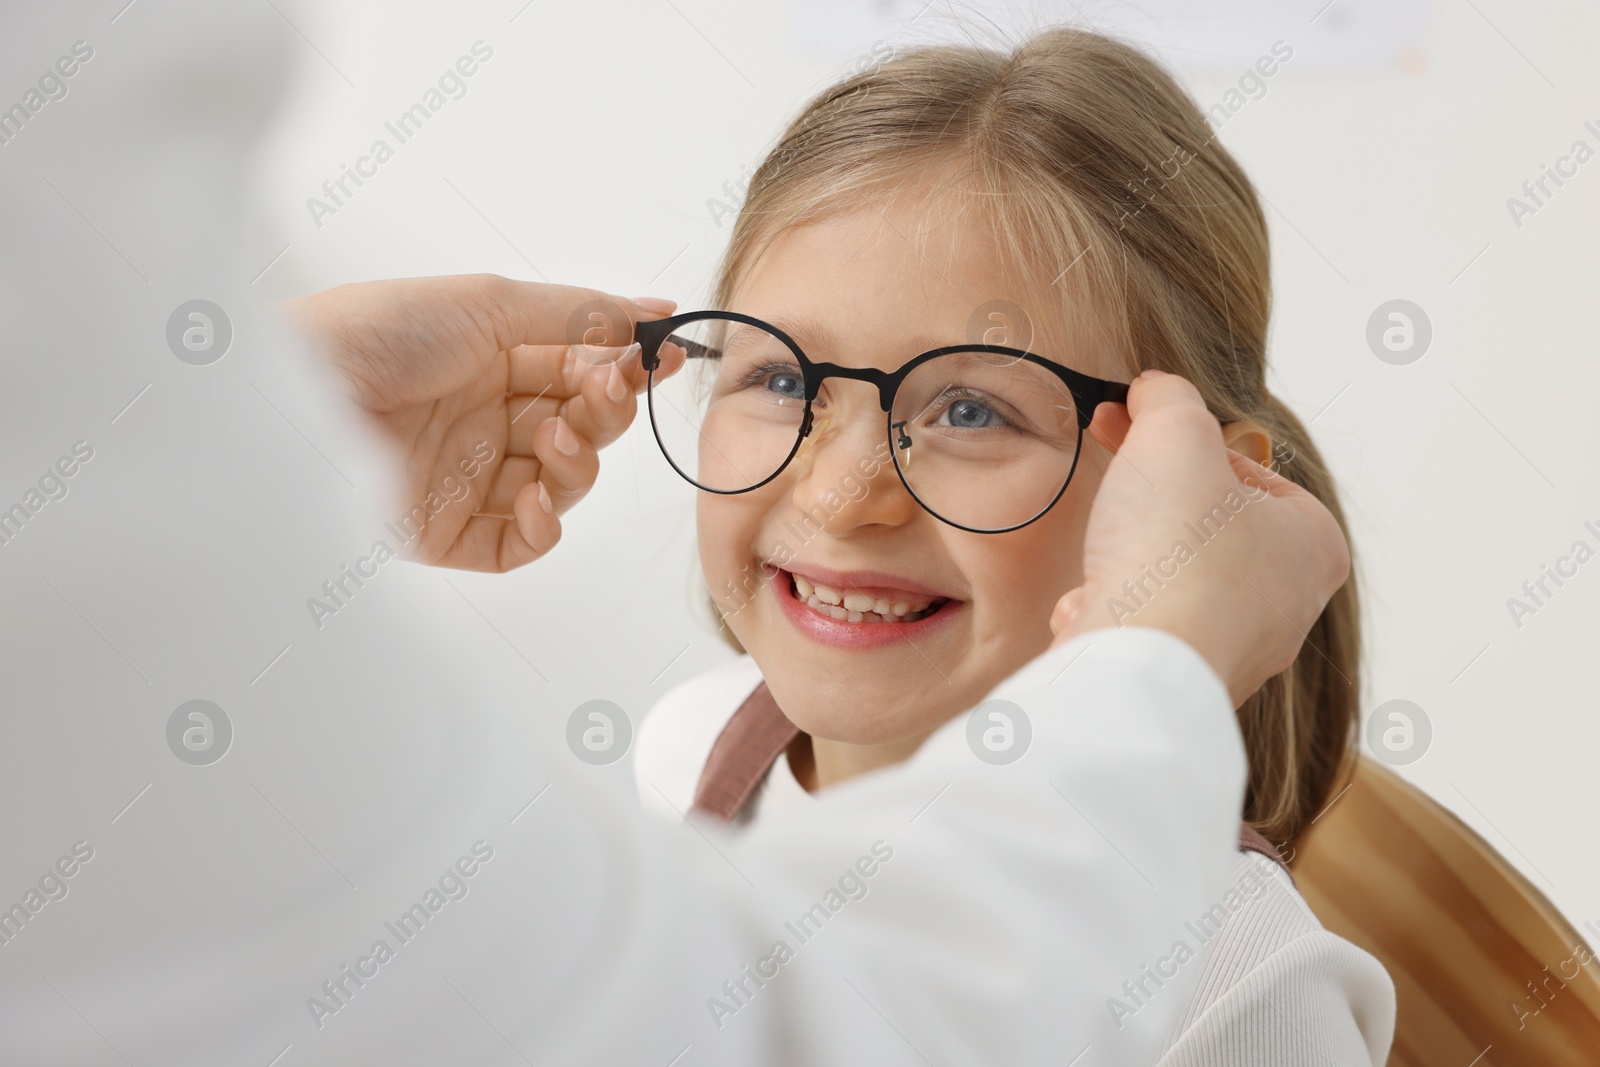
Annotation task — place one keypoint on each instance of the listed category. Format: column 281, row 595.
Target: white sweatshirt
column 1275, row 987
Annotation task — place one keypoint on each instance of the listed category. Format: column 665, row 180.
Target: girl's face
column 854, row 290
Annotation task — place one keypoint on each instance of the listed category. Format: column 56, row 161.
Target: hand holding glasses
column 983, row 436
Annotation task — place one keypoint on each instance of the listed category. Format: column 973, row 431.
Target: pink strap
column 1253, row 840
column 743, row 753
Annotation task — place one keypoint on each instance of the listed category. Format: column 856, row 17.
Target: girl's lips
column 870, row 582
column 841, row 633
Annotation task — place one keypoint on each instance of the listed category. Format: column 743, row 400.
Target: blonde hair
column 1086, row 152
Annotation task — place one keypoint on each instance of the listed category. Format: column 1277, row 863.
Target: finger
column 604, row 407
column 1167, row 411
column 598, row 402
column 536, row 529
column 497, row 544
column 581, row 392
column 606, row 402
column 528, row 414
column 632, row 367
column 515, row 472
column 600, row 410
column 538, row 313
column 525, row 414
column 669, row 360
column 569, row 464
column 1156, row 390
column 558, row 370
column 1110, row 424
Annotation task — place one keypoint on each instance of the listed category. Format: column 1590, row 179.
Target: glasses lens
column 985, row 441
column 731, row 417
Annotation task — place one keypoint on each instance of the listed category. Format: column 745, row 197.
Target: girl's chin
column 865, row 716
column 844, row 732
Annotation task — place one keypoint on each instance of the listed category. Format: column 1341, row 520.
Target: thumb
column 539, row 313
column 1110, row 425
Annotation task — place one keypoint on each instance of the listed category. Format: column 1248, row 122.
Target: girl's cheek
column 1047, row 560
column 726, row 534
column 711, row 546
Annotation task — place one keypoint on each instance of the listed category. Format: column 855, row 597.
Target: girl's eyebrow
column 814, row 337
column 809, row 332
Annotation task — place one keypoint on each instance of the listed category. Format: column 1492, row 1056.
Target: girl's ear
column 1250, row 440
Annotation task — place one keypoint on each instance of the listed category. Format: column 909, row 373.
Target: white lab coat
column 367, row 761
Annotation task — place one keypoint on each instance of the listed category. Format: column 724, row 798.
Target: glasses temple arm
column 695, row 349
column 651, row 344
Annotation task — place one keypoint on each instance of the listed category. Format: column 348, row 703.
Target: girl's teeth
column 857, row 602
column 858, row 607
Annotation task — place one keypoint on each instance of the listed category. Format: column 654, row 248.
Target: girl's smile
column 858, row 609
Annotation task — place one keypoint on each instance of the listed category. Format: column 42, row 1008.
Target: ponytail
column 1300, row 727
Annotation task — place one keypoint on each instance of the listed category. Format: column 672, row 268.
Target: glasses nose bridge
column 883, row 380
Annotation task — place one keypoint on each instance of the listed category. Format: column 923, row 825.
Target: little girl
column 1069, row 201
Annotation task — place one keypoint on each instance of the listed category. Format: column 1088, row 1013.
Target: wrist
column 323, row 331
column 1090, row 608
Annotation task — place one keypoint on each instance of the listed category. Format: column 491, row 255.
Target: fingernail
column 616, row 388
column 544, row 500
column 656, row 305
column 1151, row 372
column 566, row 440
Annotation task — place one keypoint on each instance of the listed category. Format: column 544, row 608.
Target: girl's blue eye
column 786, row 384
column 968, row 414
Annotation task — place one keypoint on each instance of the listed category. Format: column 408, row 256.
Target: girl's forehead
column 896, row 278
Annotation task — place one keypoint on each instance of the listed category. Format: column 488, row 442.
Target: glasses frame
column 1088, row 393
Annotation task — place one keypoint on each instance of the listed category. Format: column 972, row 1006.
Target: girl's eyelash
column 961, row 392
column 757, row 375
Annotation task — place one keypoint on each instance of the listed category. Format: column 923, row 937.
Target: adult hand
column 505, row 388
column 1243, row 599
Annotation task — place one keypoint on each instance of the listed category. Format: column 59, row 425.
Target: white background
column 1386, row 150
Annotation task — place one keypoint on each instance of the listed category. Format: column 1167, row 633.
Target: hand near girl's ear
column 1271, row 555
column 1244, row 438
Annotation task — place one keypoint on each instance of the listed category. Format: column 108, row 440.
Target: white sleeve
column 1014, row 900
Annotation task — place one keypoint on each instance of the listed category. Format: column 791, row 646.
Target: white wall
column 1387, row 154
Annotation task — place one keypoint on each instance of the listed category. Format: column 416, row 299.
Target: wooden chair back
column 1487, row 973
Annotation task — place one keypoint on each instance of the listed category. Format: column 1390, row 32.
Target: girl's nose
column 845, row 473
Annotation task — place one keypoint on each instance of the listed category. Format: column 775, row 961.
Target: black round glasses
column 984, row 437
